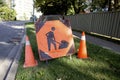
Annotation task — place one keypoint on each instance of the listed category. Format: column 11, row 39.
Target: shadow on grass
column 55, row 70
column 63, row 71
column 66, row 69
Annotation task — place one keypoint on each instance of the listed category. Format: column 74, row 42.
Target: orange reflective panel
column 54, row 40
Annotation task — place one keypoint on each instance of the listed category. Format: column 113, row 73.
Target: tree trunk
column 115, row 5
column 109, row 5
column 77, row 10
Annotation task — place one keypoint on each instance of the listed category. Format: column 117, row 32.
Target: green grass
column 102, row 64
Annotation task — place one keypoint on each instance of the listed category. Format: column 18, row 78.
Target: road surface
column 11, row 35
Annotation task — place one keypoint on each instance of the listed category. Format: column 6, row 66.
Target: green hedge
column 7, row 14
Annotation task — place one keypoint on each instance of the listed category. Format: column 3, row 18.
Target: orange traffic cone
column 82, row 53
column 29, row 58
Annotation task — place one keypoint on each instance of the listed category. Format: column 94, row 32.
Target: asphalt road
column 11, row 34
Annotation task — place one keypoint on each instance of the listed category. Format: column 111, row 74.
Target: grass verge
column 102, row 64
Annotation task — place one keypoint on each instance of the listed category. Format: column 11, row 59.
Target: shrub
column 7, row 14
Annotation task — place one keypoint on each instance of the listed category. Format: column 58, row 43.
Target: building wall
column 8, row 2
column 24, row 9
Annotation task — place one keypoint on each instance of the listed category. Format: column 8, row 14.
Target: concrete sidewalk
column 11, row 73
column 8, row 67
column 103, row 43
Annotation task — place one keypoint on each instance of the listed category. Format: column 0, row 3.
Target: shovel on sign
column 62, row 44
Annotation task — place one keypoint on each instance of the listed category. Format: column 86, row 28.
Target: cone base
column 82, row 55
column 30, row 65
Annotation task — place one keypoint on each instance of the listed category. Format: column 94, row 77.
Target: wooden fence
column 105, row 23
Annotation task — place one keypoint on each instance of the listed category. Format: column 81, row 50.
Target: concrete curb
column 13, row 70
column 6, row 64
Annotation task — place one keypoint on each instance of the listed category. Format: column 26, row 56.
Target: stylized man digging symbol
column 51, row 38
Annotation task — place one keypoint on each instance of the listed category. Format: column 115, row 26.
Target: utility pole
column 33, row 12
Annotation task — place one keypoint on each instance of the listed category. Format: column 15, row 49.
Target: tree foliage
column 79, row 5
column 53, row 6
column 98, row 5
column 112, row 5
column 2, row 3
column 7, row 14
column 65, row 7
column 60, row 6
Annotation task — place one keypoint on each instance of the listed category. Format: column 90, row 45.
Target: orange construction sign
column 54, row 38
